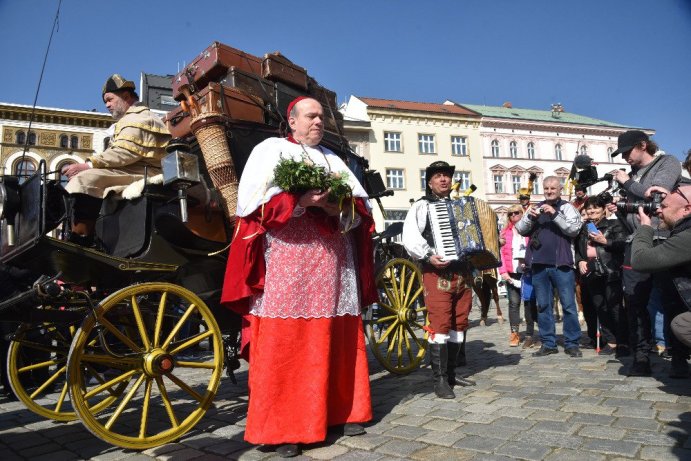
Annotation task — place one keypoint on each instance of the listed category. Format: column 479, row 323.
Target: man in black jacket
column 647, row 169
column 671, row 259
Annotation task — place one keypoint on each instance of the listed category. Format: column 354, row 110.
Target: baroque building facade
column 56, row 137
column 516, row 142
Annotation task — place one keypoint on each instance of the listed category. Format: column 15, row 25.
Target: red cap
column 292, row 104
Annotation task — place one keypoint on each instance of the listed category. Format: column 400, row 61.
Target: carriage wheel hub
column 158, row 362
column 407, row 315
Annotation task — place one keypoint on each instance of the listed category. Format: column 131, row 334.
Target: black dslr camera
column 650, row 207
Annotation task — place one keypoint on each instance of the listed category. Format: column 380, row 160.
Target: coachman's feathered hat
column 117, row 83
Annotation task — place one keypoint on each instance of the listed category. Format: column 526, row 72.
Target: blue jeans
column 545, row 278
column 657, row 316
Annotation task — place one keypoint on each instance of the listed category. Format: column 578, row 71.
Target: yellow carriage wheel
column 37, row 370
column 394, row 326
column 163, row 341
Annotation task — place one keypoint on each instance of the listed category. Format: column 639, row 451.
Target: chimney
column 507, row 105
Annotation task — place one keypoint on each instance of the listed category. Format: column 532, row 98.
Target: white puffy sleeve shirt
column 413, row 227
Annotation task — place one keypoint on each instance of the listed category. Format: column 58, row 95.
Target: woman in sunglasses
column 513, row 265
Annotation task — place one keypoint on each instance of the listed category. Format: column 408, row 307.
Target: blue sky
column 624, row 61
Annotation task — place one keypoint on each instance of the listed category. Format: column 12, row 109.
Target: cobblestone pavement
column 550, row 408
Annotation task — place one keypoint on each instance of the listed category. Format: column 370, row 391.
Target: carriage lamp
column 180, row 171
column 9, row 204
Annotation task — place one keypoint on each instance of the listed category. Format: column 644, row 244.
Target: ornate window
column 32, row 139
column 21, row 137
column 64, row 141
column 557, row 152
column 499, row 183
column 392, row 142
column 24, row 168
column 495, row 148
column 609, row 154
column 74, row 142
column 395, row 178
column 513, row 149
column 531, row 151
column 459, row 146
column 583, row 150
column 426, row 143
column 516, row 182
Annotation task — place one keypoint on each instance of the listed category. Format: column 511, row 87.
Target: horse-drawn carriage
column 130, row 337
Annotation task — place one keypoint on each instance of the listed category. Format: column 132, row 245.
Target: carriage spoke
column 402, row 284
column 118, row 334
column 178, row 325
column 386, row 319
column 48, row 382
column 35, row 366
column 187, row 364
column 140, row 323
column 391, row 296
column 387, row 332
column 166, row 402
column 159, row 318
column 182, row 385
column 61, row 398
column 106, row 386
column 145, row 408
column 392, row 343
column 388, row 307
column 118, row 411
column 401, row 337
column 414, row 336
column 190, row 342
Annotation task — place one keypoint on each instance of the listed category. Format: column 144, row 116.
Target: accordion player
column 452, row 238
column 465, row 229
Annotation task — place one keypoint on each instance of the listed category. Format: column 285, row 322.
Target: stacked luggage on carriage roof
column 254, row 89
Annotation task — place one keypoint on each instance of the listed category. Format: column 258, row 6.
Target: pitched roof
column 418, row 106
column 538, row 115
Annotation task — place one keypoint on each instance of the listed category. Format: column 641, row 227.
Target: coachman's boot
column 455, row 350
column 439, row 354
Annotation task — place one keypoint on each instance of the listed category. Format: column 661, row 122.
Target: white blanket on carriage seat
column 135, row 189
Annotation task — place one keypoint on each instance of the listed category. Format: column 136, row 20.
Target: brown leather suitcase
column 278, row 68
column 325, row 96
column 211, row 65
column 252, row 84
column 236, row 104
column 178, row 123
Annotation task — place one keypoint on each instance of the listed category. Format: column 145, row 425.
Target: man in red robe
column 299, row 269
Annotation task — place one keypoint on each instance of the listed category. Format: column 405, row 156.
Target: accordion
column 465, row 229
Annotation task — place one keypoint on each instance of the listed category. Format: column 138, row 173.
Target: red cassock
column 308, row 361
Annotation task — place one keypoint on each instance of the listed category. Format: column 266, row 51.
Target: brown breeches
column 448, row 300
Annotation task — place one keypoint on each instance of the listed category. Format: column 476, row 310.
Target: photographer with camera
column 647, row 170
column 599, row 256
column 670, row 259
column 552, row 226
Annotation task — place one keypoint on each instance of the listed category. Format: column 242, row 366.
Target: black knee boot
column 455, row 351
column 439, row 354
